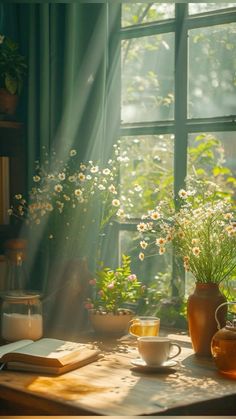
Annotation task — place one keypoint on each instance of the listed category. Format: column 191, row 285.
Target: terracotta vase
column 201, row 306
column 8, row 102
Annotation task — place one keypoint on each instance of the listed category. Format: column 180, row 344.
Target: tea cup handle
column 178, row 350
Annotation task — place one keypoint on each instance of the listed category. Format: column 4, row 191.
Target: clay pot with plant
column 13, row 69
column 112, row 290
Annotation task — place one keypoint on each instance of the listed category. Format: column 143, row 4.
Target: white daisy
column 36, row 178
column 61, row 176
column 115, row 202
column 78, row 192
column 196, row 251
column 143, row 244
column 81, row 176
column 58, row 187
column 183, row 194
column 73, row 153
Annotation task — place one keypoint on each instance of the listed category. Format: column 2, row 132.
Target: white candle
column 21, row 326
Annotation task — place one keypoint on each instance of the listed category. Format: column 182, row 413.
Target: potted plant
column 203, row 232
column 12, row 71
column 112, row 290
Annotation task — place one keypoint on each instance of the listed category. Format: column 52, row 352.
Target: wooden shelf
column 11, row 138
column 11, row 124
column 12, row 145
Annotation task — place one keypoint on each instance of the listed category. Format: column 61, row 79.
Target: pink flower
column 132, row 277
column 92, row 281
column 88, row 305
column 111, row 285
column 101, row 293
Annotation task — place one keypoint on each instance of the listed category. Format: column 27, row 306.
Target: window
column 178, row 111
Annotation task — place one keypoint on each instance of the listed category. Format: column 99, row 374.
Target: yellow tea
column 146, row 326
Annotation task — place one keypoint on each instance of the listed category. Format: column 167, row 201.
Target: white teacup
column 155, row 350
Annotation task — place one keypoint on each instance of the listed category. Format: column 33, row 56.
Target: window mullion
column 181, row 133
column 181, row 64
column 210, row 19
column 148, row 29
column 211, row 125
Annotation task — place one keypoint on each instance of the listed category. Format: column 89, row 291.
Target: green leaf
column 231, row 180
column 11, row 84
column 221, row 171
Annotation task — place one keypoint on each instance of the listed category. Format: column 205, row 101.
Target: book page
column 9, row 347
column 46, row 351
column 84, row 359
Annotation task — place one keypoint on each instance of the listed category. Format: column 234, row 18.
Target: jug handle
column 221, row 305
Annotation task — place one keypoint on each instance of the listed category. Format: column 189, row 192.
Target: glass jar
column 16, row 254
column 21, row 316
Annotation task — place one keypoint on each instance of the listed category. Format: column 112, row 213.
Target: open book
column 47, row 355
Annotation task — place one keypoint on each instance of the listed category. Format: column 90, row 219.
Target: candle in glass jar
column 17, row 326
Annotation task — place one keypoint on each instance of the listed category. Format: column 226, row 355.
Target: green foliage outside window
column 136, row 13
column 147, row 95
column 206, row 159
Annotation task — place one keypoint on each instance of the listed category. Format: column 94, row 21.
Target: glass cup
column 144, row 326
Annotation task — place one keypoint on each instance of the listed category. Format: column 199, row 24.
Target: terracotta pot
column 109, row 323
column 8, row 102
column 201, row 306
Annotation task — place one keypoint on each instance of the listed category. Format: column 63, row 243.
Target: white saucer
column 142, row 365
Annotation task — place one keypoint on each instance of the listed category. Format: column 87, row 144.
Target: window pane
column 212, row 71
column 148, row 78
column 213, row 156
column 148, row 173
column 207, row 7
column 137, row 13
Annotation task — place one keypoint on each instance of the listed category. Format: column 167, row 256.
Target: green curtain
column 67, row 46
column 67, row 49
column 69, row 86
column 67, row 52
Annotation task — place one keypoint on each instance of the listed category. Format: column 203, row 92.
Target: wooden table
column 111, row 386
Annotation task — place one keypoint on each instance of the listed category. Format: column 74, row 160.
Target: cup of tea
column 156, row 350
column 144, row 326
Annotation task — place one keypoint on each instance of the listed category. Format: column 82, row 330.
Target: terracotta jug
column 201, row 307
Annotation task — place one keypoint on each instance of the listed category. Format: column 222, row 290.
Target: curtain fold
column 66, row 45
column 67, row 85
column 66, row 51
column 65, row 97
column 69, row 64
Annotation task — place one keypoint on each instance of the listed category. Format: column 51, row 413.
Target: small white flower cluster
column 59, row 187
column 202, row 231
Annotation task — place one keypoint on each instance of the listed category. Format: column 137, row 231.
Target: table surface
column 112, row 386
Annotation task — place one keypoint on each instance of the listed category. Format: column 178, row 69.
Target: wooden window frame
column 181, row 126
